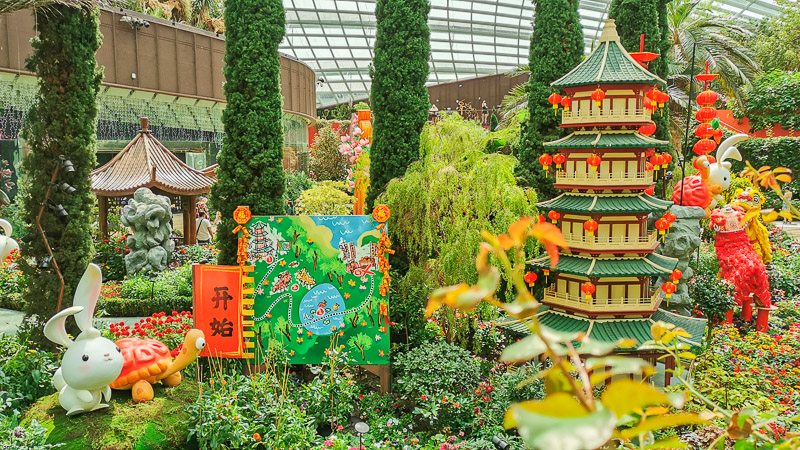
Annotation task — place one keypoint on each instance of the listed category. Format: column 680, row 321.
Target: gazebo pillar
column 189, row 222
column 102, row 206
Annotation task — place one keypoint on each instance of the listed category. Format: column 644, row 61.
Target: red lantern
column 598, row 95
column 707, row 98
column 650, row 106
column 588, row 288
column 541, row 219
column 554, row 216
column 675, row 276
column 648, row 129
column 669, row 288
column 653, row 95
column 530, row 278
column 546, row 272
column 594, row 160
column 704, row 131
column 650, row 191
column 666, row 158
column 554, row 100
column 559, row 159
column 590, row 226
column 657, row 160
column 566, row 102
column 662, row 99
column 662, row 225
column 671, row 217
column 545, row 160
column 648, row 166
column 705, row 114
column 704, row 146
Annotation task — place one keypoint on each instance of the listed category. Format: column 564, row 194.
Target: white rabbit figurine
column 91, row 361
column 7, row 245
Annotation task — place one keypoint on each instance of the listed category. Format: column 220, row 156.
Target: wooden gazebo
column 145, row 162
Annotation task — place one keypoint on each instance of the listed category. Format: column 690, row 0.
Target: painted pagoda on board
column 602, row 284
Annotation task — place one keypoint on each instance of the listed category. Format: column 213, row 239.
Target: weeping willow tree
column 449, row 195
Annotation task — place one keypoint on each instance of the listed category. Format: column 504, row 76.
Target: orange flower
column 257, row 437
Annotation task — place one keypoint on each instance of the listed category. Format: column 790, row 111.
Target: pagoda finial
column 145, row 122
column 609, row 32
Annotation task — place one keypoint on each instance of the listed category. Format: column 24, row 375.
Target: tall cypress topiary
column 556, row 47
column 250, row 163
column 649, row 17
column 62, row 122
column 399, row 98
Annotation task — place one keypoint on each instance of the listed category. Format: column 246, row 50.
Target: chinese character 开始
column 221, row 294
column 224, row 328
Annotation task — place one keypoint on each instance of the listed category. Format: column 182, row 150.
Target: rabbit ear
column 55, row 329
column 6, row 226
column 86, row 295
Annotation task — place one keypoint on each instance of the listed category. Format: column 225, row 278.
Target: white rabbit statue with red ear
column 91, row 361
column 7, row 245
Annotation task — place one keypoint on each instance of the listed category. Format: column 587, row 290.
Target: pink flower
column 328, row 443
column 344, row 138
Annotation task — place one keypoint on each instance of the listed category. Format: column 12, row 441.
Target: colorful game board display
column 318, row 286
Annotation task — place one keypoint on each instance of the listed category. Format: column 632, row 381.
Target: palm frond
column 9, row 6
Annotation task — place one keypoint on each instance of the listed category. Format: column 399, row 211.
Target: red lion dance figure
column 740, row 265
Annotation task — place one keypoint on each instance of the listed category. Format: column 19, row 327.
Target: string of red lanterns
column 705, row 115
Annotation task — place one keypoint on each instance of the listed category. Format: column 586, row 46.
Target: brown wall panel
column 490, row 88
column 166, row 58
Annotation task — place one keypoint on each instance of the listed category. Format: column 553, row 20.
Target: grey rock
column 148, row 215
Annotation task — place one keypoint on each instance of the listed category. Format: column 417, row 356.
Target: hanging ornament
column 704, row 131
column 704, row 147
column 662, row 225
column 546, row 274
column 566, row 102
column 671, row 217
column 669, row 288
column 707, row 98
column 588, row 289
column 653, row 95
column 554, row 216
column 662, row 100
column 554, row 100
column 657, row 160
column 530, row 278
column 675, row 276
column 705, row 114
column 594, row 161
column 648, row 166
column 666, row 158
column 648, row 129
column 559, row 159
column 590, row 226
column 541, row 219
column 650, row 191
column 598, row 95
column 545, row 160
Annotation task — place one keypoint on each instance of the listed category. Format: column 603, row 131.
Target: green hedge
column 134, row 307
column 773, row 152
column 118, row 307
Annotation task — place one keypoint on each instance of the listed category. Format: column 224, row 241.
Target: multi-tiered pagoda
column 602, row 284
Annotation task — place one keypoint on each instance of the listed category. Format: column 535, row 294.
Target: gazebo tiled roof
column 605, row 204
column 606, row 140
column 145, row 162
column 609, row 63
column 650, row 265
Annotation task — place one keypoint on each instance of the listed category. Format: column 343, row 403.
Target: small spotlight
column 44, row 263
column 66, row 165
column 500, row 444
column 58, row 210
column 64, row 187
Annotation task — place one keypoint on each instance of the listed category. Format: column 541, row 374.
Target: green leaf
column 559, row 422
column 667, row 444
column 661, row 423
column 744, row 445
column 532, row 346
column 626, row 396
column 597, row 348
column 618, row 365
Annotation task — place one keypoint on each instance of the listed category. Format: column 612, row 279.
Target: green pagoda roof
column 610, row 330
column 609, row 63
column 607, row 139
column 651, row 265
column 605, row 204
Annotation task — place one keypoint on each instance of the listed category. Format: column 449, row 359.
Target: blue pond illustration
column 321, row 309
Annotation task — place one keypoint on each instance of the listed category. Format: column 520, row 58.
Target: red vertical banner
column 217, row 297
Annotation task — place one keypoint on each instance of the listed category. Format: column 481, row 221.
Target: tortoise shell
column 144, row 359
column 695, row 192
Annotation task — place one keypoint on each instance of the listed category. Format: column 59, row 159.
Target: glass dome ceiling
column 469, row 38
